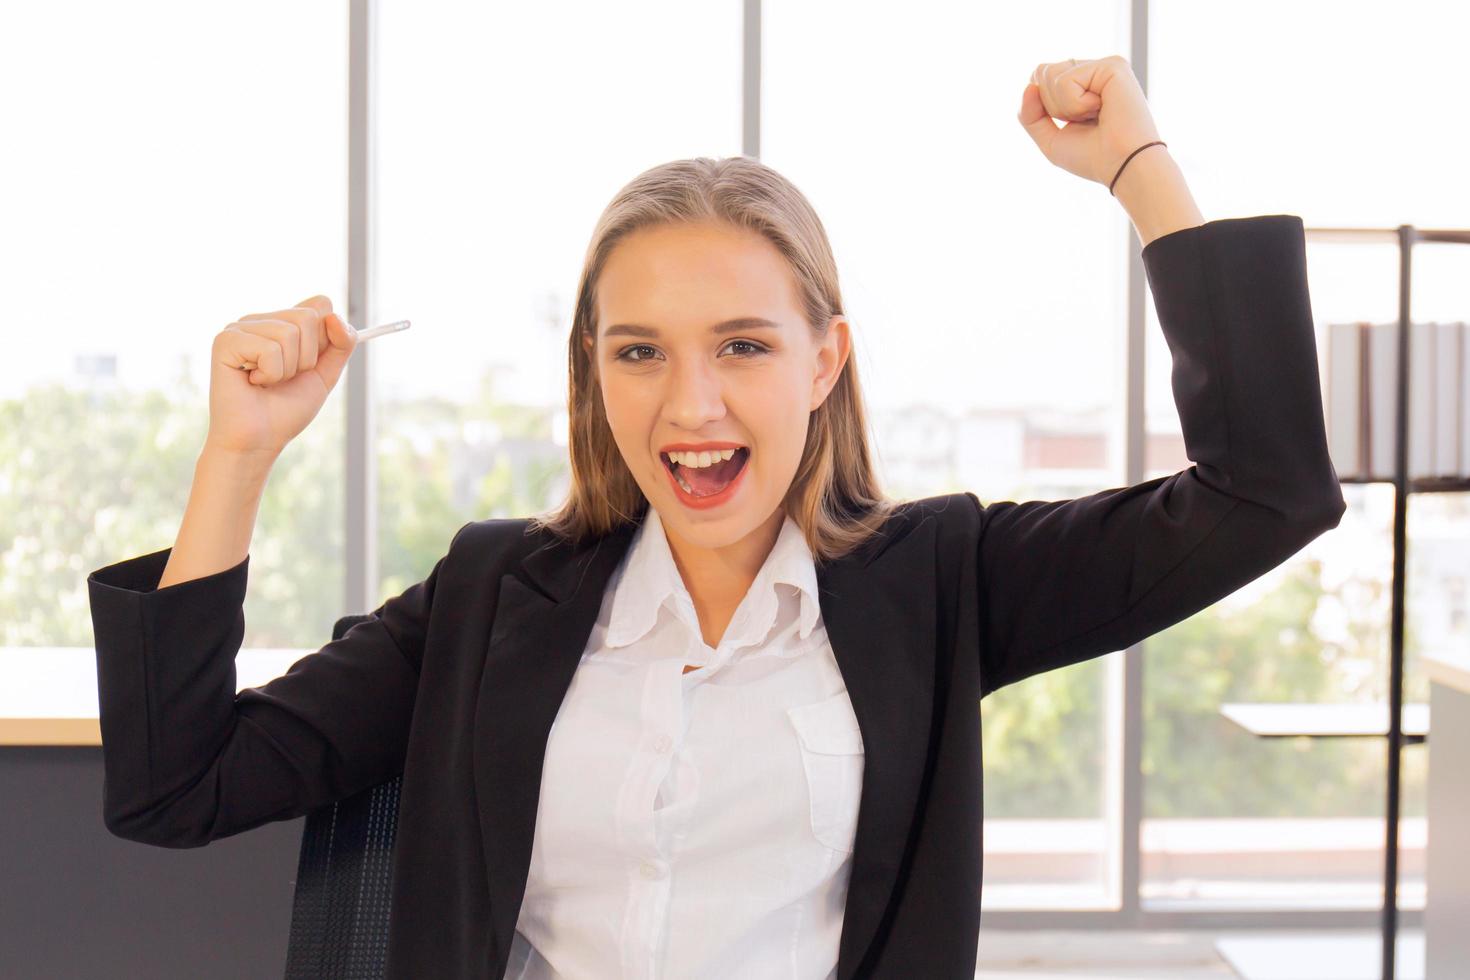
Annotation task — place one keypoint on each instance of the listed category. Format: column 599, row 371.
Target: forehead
column 673, row 276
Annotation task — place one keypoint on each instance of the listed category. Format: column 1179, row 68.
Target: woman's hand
column 271, row 373
column 1106, row 113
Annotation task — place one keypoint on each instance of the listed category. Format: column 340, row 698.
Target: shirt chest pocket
column 831, row 747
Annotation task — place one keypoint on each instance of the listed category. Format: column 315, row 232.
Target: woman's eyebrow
column 728, row 326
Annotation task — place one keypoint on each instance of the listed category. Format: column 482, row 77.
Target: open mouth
column 706, row 481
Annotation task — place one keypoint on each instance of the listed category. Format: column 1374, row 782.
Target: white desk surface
column 1324, row 956
column 48, row 695
column 1324, row 720
column 1451, row 669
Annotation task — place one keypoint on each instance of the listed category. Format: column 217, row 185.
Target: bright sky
column 174, row 166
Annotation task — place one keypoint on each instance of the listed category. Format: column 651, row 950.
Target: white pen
column 381, row 329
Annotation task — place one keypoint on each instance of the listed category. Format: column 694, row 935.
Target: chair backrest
column 339, row 919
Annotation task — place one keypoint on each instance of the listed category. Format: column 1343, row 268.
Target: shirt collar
column 650, row 580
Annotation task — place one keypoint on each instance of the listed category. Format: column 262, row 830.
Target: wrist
column 252, row 465
column 219, row 518
column 1153, row 191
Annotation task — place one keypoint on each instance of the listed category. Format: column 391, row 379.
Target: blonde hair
column 834, row 496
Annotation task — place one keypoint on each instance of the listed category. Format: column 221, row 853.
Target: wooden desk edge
column 50, row 731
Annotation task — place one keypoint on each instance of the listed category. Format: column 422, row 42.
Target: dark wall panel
column 77, row 902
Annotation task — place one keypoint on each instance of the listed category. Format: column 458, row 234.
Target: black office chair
column 339, row 919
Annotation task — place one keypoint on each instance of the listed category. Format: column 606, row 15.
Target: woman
column 716, row 716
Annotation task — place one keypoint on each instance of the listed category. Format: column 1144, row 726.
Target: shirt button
column 651, row 871
column 662, row 743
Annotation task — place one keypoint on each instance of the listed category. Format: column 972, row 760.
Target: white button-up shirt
column 696, row 825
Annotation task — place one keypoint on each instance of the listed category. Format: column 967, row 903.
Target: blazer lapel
column 541, row 626
column 878, row 607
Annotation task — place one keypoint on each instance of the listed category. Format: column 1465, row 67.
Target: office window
column 190, row 174
column 1233, row 820
column 503, row 133
column 985, row 368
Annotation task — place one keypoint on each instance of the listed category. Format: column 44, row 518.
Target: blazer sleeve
column 187, row 759
column 1065, row 581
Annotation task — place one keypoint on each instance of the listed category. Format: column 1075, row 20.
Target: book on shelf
column 1361, row 379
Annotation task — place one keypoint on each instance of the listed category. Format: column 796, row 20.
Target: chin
column 708, row 529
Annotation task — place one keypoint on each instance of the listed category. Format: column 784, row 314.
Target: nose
column 694, row 396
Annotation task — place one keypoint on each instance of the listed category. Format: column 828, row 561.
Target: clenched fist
column 1105, row 111
column 272, row 372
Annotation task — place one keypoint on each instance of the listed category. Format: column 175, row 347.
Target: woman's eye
column 623, row 354
column 754, row 348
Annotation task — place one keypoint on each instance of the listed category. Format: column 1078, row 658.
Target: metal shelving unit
column 1407, row 236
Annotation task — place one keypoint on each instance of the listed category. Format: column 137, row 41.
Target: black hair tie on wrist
column 1130, row 157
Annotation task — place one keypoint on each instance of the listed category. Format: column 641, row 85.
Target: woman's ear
column 589, row 345
column 831, row 357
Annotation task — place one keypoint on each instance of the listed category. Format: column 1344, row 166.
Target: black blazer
column 455, row 682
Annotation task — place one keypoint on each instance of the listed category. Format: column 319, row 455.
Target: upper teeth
column 702, row 459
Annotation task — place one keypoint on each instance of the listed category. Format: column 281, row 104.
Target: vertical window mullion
column 1136, row 443
column 750, row 84
column 360, row 495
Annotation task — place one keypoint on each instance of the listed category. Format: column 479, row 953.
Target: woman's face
column 677, row 370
